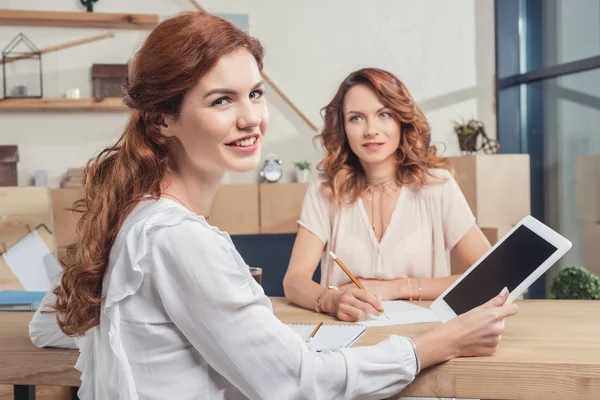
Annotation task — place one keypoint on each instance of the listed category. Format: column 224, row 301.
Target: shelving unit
column 108, row 104
column 78, row 19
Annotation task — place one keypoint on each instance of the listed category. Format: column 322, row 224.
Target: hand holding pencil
column 359, row 299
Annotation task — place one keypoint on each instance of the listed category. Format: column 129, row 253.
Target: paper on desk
column 401, row 313
column 32, row 263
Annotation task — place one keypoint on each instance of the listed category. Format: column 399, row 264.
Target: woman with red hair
column 159, row 302
column 385, row 204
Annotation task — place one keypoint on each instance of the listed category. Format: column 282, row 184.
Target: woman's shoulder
column 153, row 218
column 436, row 180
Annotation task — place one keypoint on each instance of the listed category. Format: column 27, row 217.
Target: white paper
column 32, row 263
column 401, row 313
column 329, row 337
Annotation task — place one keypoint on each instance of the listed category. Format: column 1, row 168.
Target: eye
column 354, row 118
column 257, row 94
column 221, row 101
column 385, row 114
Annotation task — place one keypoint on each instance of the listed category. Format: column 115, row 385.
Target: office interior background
column 529, row 70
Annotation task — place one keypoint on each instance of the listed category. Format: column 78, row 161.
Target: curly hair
column 173, row 58
column 345, row 178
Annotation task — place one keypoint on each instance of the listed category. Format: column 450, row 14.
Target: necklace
column 182, row 203
column 380, row 184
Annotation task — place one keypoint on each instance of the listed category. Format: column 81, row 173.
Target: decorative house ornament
column 22, row 69
column 108, row 80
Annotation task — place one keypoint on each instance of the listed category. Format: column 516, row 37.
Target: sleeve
column 43, row 328
column 208, row 296
column 316, row 213
column 457, row 217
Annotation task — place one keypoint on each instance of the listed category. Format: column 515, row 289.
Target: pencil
column 356, row 282
column 314, row 332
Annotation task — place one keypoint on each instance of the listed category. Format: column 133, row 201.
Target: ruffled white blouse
column 182, row 318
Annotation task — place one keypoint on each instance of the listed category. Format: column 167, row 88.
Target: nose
column 250, row 116
column 371, row 129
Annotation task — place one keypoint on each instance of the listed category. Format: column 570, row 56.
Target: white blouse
column 182, row 318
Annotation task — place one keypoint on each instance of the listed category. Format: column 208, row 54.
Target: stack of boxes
column 587, row 201
column 497, row 188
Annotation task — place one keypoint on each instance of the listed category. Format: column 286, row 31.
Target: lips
column 244, row 141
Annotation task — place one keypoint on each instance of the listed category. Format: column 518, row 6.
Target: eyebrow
column 230, row 91
column 360, row 113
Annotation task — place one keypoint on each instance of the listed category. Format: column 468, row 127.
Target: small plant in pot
column 468, row 133
column 302, row 170
column 575, row 283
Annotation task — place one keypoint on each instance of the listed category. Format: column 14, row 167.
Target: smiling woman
column 160, row 303
column 385, row 204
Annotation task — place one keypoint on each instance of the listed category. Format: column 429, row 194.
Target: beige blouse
column 425, row 224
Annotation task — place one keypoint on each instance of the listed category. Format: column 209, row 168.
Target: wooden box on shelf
column 108, row 80
column 235, row 209
column 587, row 187
column 497, row 187
column 280, row 205
column 9, row 157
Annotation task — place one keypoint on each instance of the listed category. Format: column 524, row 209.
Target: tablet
column 527, row 251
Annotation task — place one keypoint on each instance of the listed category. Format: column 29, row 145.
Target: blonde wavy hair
column 345, row 178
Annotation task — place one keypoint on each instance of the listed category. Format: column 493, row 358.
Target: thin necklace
column 182, row 203
column 378, row 184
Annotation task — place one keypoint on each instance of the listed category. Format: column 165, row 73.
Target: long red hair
column 173, row 58
column 345, row 177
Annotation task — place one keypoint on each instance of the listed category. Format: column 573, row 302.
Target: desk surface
column 551, row 350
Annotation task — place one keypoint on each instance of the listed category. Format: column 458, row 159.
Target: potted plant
column 575, row 283
column 302, row 170
column 467, row 134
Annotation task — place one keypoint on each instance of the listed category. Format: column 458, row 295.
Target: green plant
column 302, row 165
column 471, row 127
column 575, row 283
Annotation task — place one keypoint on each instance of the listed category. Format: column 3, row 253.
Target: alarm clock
column 272, row 170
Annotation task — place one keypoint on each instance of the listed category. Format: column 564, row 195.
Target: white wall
column 443, row 50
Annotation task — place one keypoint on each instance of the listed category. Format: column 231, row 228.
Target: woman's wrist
column 402, row 291
column 330, row 301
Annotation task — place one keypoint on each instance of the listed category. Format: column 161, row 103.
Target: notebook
column 330, row 337
column 20, row 300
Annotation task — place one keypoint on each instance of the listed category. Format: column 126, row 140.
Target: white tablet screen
column 507, row 266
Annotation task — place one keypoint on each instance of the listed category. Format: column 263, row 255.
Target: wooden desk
column 551, row 350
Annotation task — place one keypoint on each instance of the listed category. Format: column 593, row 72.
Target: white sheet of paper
column 32, row 263
column 401, row 313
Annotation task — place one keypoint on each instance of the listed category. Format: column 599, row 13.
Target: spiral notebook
column 330, row 337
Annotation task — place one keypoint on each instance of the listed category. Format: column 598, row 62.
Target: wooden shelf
column 108, row 104
column 78, row 19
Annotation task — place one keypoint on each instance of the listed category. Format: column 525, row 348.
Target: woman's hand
column 351, row 303
column 387, row 290
column 475, row 333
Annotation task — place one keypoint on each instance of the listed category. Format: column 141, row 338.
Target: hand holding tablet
column 515, row 262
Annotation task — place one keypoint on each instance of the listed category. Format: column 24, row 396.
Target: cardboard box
column 497, row 187
column 235, row 209
column 587, row 187
column 280, row 206
column 591, row 247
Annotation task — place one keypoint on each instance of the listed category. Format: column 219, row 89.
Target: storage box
column 591, row 243
column 587, row 187
column 497, row 187
column 280, row 206
column 9, row 157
